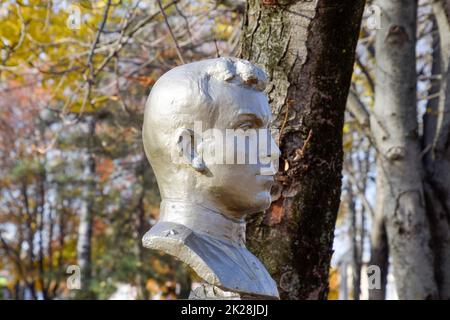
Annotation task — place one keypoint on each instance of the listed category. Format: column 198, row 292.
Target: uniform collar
column 203, row 220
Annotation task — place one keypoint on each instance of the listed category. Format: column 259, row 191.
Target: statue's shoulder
column 176, row 240
column 165, row 231
column 213, row 259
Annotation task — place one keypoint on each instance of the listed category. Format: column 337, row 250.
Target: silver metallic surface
column 205, row 201
column 206, row 291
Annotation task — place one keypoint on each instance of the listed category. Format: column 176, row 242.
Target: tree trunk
column 356, row 256
column 379, row 250
column 437, row 148
column 84, row 244
column 139, row 230
column 399, row 151
column 307, row 48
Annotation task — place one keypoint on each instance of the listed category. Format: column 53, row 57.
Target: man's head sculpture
column 206, row 137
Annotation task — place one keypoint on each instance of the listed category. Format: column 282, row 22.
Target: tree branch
column 174, row 39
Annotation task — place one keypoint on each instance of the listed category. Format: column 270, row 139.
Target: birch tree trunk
column 379, row 251
column 307, row 48
column 399, row 151
column 84, row 244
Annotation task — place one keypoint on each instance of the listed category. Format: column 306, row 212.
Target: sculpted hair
column 237, row 71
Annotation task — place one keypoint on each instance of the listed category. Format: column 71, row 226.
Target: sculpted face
column 241, row 184
column 218, row 126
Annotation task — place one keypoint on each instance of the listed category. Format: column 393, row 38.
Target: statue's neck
column 203, row 220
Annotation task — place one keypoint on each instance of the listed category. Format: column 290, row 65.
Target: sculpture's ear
column 187, row 150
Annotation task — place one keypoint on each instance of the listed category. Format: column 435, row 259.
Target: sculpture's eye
column 246, row 125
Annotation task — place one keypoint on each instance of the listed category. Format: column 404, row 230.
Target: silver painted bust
column 208, row 181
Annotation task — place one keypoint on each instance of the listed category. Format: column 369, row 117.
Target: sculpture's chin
column 262, row 203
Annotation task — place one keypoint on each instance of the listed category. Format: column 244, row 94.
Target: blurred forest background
column 76, row 188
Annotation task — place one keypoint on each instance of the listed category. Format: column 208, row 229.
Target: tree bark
column 399, row 151
column 307, row 48
column 379, row 250
column 84, row 244
column 356, row 253
column 139, row 230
